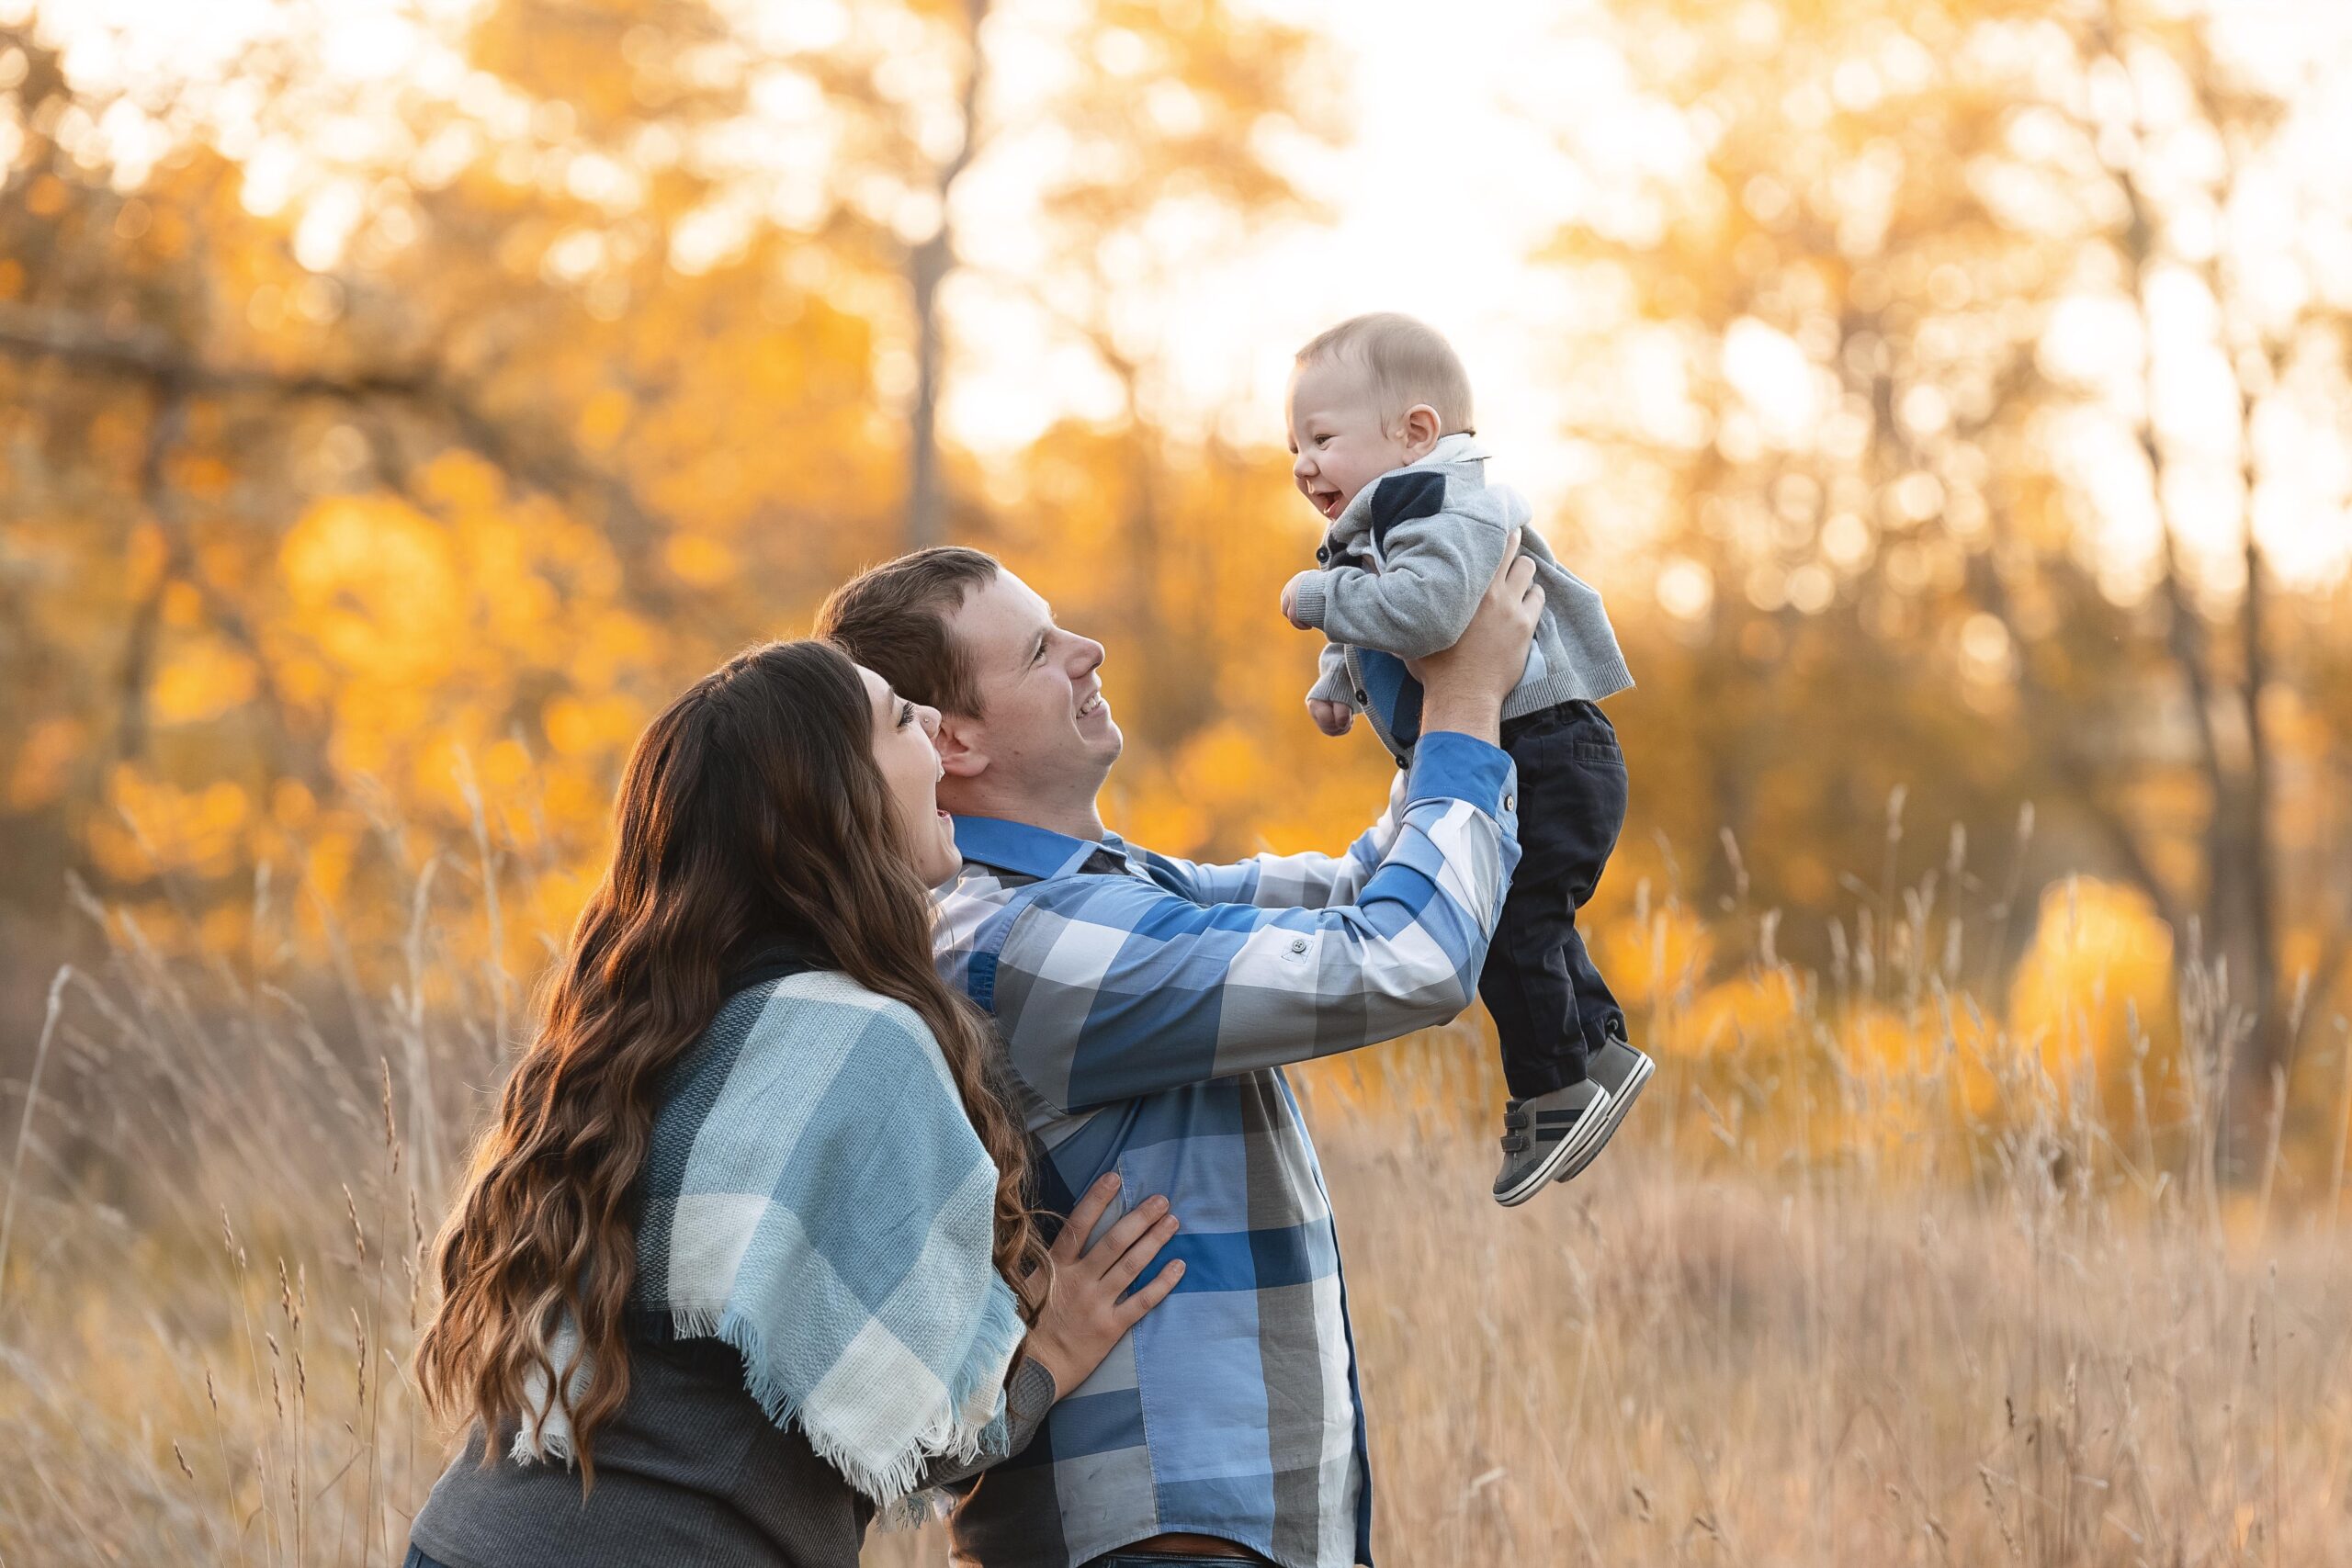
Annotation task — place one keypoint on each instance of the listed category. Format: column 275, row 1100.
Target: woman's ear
column 1421, row 430
column 958, row 744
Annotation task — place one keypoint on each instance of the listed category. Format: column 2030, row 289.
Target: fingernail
column 1109, row 1183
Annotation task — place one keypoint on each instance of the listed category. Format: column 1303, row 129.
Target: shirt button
column 1510, row 803
column 1298, row 944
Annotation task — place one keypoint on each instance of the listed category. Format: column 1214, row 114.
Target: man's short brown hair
column 892, row 619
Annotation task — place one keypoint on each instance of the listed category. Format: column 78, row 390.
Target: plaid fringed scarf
column 816, row 1197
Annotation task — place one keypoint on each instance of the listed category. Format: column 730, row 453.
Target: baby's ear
column 1421, row 430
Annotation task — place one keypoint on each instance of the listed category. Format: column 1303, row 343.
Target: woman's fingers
column 1132, row 1310
column 1103, row 1255
column 1085, row 1217
column 1135, row 1259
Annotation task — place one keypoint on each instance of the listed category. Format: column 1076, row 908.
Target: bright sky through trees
column 1471, row 136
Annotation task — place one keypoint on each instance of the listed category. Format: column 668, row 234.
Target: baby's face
column 1337, row 437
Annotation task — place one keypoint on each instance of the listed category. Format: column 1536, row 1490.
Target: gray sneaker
column 1620, row 1069
column 1541, row 1133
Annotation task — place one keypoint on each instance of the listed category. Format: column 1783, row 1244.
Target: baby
column 1380, row 423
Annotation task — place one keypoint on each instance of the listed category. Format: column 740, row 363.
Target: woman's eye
column 906, row 715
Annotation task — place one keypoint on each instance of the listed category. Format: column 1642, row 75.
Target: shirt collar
column 1031, row 852
column 1459, row 447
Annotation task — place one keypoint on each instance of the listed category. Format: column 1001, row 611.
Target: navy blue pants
column 1550, row 1005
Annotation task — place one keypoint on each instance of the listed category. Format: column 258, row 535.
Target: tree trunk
column 926, row 507
column 928, row 265
column 2272, row 1034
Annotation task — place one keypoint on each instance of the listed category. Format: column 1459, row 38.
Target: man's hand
column 1330, row 717
column 1290, row 612
column 1464, row 687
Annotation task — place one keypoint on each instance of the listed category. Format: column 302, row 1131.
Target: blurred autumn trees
column 588, row 390
column 378, row 457
column 1965, row 358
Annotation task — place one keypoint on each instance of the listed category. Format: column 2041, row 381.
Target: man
column 1147, row 1006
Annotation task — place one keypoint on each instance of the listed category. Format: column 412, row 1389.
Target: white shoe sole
column 1588, row 1148
column 1543, row 1175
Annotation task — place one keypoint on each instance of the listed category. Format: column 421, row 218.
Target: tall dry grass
column 1869, row 1278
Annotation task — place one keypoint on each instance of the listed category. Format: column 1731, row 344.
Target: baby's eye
column 1322, row 441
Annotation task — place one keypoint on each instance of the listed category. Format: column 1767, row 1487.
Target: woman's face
column 902, row 747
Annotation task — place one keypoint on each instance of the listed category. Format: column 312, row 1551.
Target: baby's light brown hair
column 1409, row 362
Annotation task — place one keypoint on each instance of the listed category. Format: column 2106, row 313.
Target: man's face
column 1046, row 725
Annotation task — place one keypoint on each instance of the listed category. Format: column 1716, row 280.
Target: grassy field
column 1868, row 1278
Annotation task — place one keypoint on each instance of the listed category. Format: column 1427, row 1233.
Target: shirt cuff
column 1311, row 595
column 1449, row 765
column 1028, row 1395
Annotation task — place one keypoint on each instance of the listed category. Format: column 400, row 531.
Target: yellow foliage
column 291, row 805
column 158, row 826
column 42, row 759
column 1646, row 961
column 463, row 481
column 1730, row 1017
column 373, row 584
column 700, row 560
column 604, row 418
column 183, row 605
column 2100, row 959
column 202, row 680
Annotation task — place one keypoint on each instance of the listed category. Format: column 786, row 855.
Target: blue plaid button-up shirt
column 1147, row 1007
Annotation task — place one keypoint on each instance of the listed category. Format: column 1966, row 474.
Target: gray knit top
column 690, row 1470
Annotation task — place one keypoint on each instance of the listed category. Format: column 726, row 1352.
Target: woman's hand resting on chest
column 1083, row 1315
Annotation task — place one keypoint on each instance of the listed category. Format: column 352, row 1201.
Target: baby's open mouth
column 1327, row 501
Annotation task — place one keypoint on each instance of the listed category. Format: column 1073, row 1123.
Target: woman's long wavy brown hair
column 751, row 813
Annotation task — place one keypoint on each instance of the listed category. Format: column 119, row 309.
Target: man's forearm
column 1478, row 715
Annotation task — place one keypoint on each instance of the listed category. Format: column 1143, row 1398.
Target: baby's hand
column 1290, row 604
column 1330, row 717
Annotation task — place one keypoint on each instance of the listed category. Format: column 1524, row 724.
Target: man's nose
column 1089, row 652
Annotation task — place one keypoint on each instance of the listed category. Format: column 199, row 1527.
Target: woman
column 749, row 1239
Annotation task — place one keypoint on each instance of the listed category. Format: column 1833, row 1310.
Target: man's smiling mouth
column 1094, row 703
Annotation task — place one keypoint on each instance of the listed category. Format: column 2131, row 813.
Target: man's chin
column 1101, row 737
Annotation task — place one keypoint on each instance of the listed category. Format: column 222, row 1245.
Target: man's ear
column 958, row 744
column 1421, row 428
